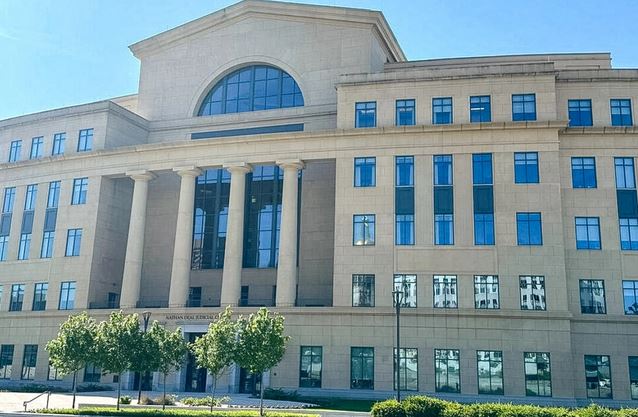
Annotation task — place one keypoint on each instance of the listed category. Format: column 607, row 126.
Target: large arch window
column 257, row 87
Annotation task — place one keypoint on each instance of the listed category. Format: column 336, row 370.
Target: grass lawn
column 343, row 404
column 145, row 412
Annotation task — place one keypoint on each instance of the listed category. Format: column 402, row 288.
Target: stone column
column 180, row 273
column 234, row 250
column 287, row 266
column 132, row 277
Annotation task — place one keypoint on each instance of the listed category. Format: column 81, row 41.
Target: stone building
column 290, row 156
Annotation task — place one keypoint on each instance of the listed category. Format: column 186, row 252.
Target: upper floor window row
column 252, row 88
column 85, row 143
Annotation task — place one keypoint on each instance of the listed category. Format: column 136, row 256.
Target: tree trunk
column 75, row 388
column 139, row 386
column 164, row 395
column 119, row 390
column 212, row 398
column 261, row 395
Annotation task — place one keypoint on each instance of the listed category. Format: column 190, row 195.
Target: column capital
column 290, row 164
column 188, row 171
column 141, row 175
column 237, row 167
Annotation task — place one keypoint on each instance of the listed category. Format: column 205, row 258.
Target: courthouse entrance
column 249, row 383
column 195, row 376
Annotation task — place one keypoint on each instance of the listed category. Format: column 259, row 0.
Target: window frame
column 537, row 380
column 449, row 302
column 440, row 104
column 371, row 278
column 587, row 284
column 621, row 107
column 364, row 362
column 590, row 243
column 312, row 363
column 532, row 302
column 480, row 112
column 527, row 163
column 403, row 105
column 365, row 162
column 365, row 109
column 578, row 107
column 525, row 115
column 581, row 167
column 439, row 387
column 529, row 241
column 599, row 363
column 487, row 284
column 365, row 242
column 490, row 376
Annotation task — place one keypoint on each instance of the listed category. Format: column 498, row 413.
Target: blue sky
column 56, row 53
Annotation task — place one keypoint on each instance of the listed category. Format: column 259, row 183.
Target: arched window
column 257, row 87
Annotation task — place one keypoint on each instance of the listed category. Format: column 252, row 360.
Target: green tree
column 261, row 344
column 215, row 350
column 73, row 347
column 145, row 357
column 171, row 351
column 117, row 340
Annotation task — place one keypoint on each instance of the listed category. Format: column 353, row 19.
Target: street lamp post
column 146, row 316
column 398, row 297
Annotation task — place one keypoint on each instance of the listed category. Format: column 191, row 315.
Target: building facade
column 290, row 156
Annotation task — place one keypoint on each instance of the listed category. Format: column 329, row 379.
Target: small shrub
column 170, row 400
column 388, row 408
column 280, row 394
column 418, row 406
column 145, row 412
column 125, row 399
column 94, row 387
column 594, row 410
column 204, row 401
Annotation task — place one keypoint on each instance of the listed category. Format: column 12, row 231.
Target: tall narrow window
column 483, row 194
column 365, row 172
column 598, row 376
column 630, row 296
column 408, row 362
column 442, row 111
column 532, row 293
column 447, row 369
column 486, row 292
column 529, row 230
column 404, row 200
column 625, row 177
column 362, row 368
column 363, row 230
column 579, row 113
column 365, row 114
column 588, row 233
column 310, row 366
column 195, row 297
column 53, row 374
column 73, row 242
column 633, row 377
column 24, row 247
column 406, row 284
column 621, row 112
column 85, row 140
column 592, row 296
column 363, row 290
column 80, row 186
column 480, row 109
column 445, row 291
column 29, row 361
column 17, row 297
column 59, row 140
column 15, row 150
column 490, row 371
column 405, row 112
column 40, row 296
column 538, row 374
column 6, row 361
column 67, row 296
column 5, row 220
column 443, row 200
column 523, row 107
column 37, row 145
column 584, row 172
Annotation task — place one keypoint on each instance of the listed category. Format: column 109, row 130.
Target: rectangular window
column 46, row 251
column 6, row 361
column 630, row 296
column 361, row 368
column 490, row 371
column 406, row 285
column 15, row 150
column 625, row 177
column 526, row 167
column 243, row 295
column 483, row 229
column 447, row 368
column 633, row 377
column 30, row 199
column 17, row 297
column 486, row 292
column 621, row 112
column 532, row 293
column 629, row 234
column 310, row 365
column 25, row 246
column 598, row 376
column 584, row 172
column 592, row 296
column 37, row 145
column 9, row 200
column 363, row 230
column 523, row 107
column 363, row 290
column 195, row 297
column 365, row 114
column 408, row 361
column 59, row 140
column 404, row 200
column 404, row 175
column 29, row 361
column 579, row 113
column 80, row 186
column 443, row 229
column 365, row 172
column 85, row 140
column 73, row 242
column 404, row 229
column 529, row 229
column 445, row 291
column 480, row 109
column 53, row 374
column 442, row 111
column 4, row 246
column 40, row 296
column 442, row 169
column 405, row 112
column 482, row 169
column 53, row 197
column 588, row 233
column 92, row 373
column 67, row 296
column 538, row 374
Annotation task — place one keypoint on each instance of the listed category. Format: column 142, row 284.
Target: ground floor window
column 538, row 374
column 28, row 361
column 6, row 361
column 310, row 365
column 598, row 376
column 92, row 373
column 408, row 369
column 633, row 376
column 362, row 368
column 363, row 290
column 53, row 374
column 406, row 284
column 490, row 371
column 447, row 369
